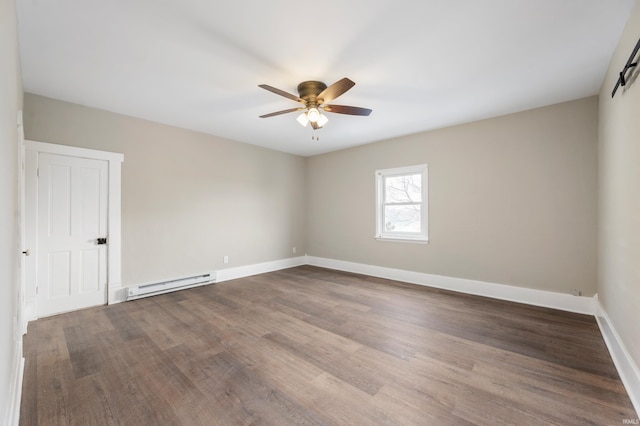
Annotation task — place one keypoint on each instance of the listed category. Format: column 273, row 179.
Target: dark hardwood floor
column 314, row 346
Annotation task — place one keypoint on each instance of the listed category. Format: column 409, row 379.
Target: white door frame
column 22, row 321
column 115, row 292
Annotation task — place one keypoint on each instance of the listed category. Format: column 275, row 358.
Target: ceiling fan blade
column 286, row 111
column 335, row 90
column 351, row 110
column 281, row 92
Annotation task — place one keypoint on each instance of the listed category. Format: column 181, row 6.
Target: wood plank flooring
column 319, row 347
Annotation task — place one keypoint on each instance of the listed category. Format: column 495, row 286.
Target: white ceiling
column 419, row 64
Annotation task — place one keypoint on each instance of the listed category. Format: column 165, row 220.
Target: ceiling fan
column 315, row 96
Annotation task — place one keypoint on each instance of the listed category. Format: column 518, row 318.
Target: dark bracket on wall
column 622, row 80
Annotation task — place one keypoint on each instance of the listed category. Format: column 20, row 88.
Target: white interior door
column 72, row 216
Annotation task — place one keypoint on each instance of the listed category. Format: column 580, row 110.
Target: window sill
column 402, row 240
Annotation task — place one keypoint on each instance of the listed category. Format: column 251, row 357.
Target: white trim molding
column 116, row 294
column 627, row 368
column 547, row 299
column 15, row 388
column 72, row 151
column 119, row 294
column 259, row 268
column 114, row 248
column 382, row 234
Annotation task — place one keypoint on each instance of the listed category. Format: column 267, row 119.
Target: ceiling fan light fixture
column 315, row 97
column 303, row 120
column 322, row 120
column 313, row 114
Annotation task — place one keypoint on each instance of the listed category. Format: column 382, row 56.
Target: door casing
column 115, row 292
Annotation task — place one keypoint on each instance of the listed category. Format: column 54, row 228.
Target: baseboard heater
column 153, row 289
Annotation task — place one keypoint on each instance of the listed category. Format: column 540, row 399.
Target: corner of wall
column 627, row 368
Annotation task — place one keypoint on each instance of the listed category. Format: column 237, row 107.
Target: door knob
column 101, row 241
column 27, row 252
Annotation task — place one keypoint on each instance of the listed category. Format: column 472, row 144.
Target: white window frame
column 381, row 233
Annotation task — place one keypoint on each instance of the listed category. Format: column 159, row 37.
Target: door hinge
column 36, row 289
column 38, row 172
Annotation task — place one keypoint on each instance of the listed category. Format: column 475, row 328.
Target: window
column 401, row 204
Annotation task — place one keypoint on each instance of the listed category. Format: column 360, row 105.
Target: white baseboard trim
column 13, row 410
column 627, row 368
column 259, row 268
column 547, row 299
column 116, row 293
column 30, row 311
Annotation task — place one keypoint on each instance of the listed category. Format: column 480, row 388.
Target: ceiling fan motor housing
column 309, row 96
column 309, row 90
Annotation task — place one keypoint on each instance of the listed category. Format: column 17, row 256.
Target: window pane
column 402, row 218
column 403, row 189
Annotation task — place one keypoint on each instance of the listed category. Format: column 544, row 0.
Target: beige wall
column 188, row 199
column 619, row 207
column 512, row 200
column 10, row 103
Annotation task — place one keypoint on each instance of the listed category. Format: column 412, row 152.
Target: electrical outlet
column 225, row 259
column 293, row 250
